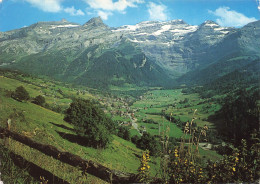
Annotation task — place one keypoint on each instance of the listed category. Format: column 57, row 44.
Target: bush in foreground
column 90, row 122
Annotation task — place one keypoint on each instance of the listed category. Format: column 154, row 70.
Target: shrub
column 90, row 123
column 149, row 142
column 182, row 169
column 144, row 168
column 39, row 100
column 55, row 108
column 124, row 133
column 20, row 94
column 135, row 139
column 186, row 166
column 241, row 166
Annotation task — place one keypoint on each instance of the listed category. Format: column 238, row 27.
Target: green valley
column 45, row 126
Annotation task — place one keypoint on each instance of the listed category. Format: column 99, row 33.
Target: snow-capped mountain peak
column 210, row 23
column 155, row 31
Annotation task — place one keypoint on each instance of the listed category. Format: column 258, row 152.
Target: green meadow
column 172, row 102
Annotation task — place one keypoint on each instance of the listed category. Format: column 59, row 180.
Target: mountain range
column 150, row 53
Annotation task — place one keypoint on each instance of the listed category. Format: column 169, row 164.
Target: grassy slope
column 47, row 89
column 121, row 154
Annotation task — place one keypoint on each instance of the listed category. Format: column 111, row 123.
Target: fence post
column 7, row 139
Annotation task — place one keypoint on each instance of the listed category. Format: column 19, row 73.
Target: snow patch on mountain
column 163, row 29
column 211, row 24
column 184, row 30
column 137, row 41
column 156, row 32
column 143, row 62
column 127, row 28
column 64, row 26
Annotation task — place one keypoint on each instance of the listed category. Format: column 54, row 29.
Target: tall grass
column 10, row 173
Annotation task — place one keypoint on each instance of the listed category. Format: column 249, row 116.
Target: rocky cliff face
column 70, row 51
column 162, row 41
column 180, row 48
column 175, row 45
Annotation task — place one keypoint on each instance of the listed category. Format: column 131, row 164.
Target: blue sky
column 235, row 13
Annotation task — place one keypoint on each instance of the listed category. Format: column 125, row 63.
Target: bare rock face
column 95, row 22
column 174, row 45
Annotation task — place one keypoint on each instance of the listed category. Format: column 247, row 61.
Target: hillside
column 47, row 127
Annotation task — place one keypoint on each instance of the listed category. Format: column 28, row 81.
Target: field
column 175, row 104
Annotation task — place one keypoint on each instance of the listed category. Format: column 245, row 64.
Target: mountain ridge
column 69, row 51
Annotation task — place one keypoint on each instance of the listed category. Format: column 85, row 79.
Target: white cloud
column 109, row 5
column 72, row 11
column 54, row 6
column 105, row 8
column 104, row 15
column 258, row 4
column 157, row 11
column 1, row 1
column 228, row 17
column 121, row 5
column 100, row 4
column 47, row 5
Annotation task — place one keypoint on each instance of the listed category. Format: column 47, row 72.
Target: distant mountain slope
column 149, row 53
column 224, row 66
column 117, row 66
column 245, row 77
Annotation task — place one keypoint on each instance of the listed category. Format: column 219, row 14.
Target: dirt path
column 135, row 125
